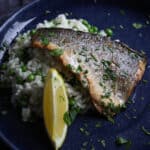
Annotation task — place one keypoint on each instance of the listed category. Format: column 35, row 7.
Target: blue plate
column 27, row 136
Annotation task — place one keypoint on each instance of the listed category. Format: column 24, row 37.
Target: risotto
column 27, row 67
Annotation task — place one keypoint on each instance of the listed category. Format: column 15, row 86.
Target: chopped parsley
column 145, row 130
column 24, row 68
column 56, row 52
column 106, row 48
column 137, row 25
column 69, row 66
column 84, row 131
column 92, row 148
column 51, row 34
column 79, row 69
column 121, row 26
column 86, row 71
column 67, row 118
column 109, row 118
column 103, row 143
column 44, row 41
column 98, row 125
column 84, row 144
column 123, row 141
column 108, row 72
column 145, row 81
column 134, row 55
column 106, row 95
column 123, row 106
column 93, row 57
column 70, row 116
column 19, row 80
column 72, row 101
column 122, row 12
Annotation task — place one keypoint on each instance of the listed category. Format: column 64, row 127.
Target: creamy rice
column 28, row 88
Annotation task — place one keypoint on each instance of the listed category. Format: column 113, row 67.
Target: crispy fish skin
column 108, row 69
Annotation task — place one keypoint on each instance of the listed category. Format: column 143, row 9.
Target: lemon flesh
column 55, row 104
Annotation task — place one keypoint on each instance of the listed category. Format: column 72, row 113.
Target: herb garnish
column 121, row 26
column 145, row 130
column 103, row 143
column 56, row 52
column 44, row 41
column 109, row 118
column 92, row 148
column 98, row 125
column 108, row 72
column 51, row 34
column 70, row 116
column 67, row 118
column 123, row 141
column 93, row 57
column 79, row 69
column 24, row 68
column 106, row 95
column 137, row 25
column 82, row 130
column 122, row 12
column 145, row 81
column 85, row 143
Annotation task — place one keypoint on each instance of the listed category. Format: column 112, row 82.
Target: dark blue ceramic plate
column 128, row 123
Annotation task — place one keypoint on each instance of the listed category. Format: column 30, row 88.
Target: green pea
column 109, row 32
column 32, row 32
column 31, row 77
column 85, row 22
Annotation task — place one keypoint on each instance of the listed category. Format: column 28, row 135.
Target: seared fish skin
column 108, row 69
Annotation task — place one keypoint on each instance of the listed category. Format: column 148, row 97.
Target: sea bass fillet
column 107, row 69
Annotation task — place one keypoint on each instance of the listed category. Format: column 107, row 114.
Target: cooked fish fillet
column 108, row 69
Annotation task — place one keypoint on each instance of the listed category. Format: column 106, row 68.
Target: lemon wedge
column 55, row 104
